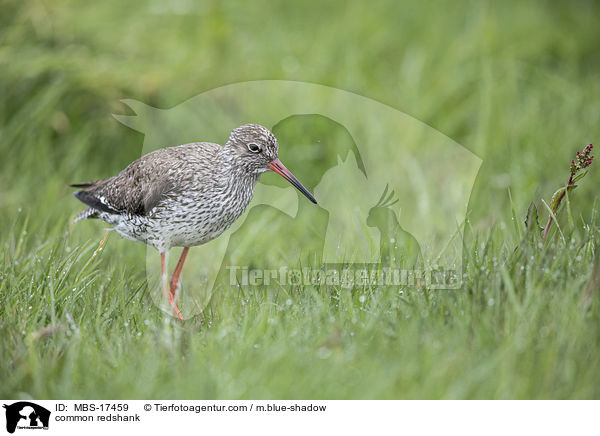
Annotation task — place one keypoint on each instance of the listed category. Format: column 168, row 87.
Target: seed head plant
column 578, row 170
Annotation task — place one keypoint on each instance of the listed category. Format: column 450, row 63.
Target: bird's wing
column 136, row 190
column 136, row 198
column 150, row 179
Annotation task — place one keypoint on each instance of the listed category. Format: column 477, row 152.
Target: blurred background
column 515, row 83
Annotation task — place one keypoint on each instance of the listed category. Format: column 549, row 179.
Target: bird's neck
column 239, row 177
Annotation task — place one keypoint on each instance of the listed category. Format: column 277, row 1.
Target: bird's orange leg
column 174, row 282
column 163, row 274
column 164, row 266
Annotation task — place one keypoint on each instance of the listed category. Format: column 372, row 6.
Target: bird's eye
column 254, row 148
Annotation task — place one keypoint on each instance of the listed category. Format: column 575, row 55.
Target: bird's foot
column 176, row 310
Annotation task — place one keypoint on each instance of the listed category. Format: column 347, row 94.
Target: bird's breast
column 198, row 217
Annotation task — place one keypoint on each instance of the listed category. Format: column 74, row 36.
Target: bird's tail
column 88, row 213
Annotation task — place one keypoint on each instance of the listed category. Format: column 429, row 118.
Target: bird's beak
column 280, row 169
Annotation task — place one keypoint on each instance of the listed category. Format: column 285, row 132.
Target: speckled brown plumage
column 185, row 195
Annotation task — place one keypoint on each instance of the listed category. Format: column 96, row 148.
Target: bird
column 185, row 195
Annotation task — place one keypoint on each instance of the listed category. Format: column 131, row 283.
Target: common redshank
column 185, row 195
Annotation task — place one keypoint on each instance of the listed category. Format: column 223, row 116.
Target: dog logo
column 26, row 415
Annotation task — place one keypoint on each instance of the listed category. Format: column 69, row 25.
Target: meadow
column 515, row 83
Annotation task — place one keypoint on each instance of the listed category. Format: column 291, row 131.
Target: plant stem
column 556, row 206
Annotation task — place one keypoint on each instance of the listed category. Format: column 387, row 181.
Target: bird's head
column 255, row 148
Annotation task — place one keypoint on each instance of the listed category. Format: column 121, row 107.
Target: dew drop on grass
column 288, row 302
column 362, row 298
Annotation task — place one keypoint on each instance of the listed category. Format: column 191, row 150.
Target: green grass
column 512, row 82
column 523, row 326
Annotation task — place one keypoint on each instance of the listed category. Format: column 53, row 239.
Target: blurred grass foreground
column 514, row 83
